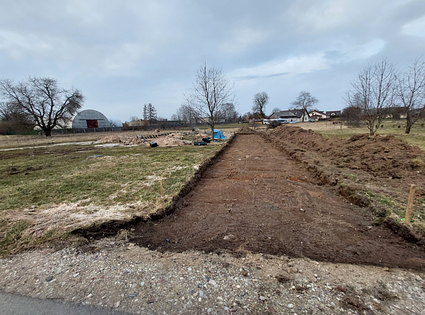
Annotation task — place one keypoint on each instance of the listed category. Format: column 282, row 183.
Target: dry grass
column 47, row 191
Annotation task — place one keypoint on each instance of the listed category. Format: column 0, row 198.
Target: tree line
column 381, row 91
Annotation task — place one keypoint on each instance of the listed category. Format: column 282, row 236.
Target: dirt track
column 256, row 199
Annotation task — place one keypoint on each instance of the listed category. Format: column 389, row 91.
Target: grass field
column 327, row 129
column 47, row 191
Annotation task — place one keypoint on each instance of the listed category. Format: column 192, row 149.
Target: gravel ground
column 118, row 275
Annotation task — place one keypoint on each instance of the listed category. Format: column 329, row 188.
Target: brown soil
column 256, row 198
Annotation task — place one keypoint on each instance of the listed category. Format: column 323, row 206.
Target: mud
column 257, row 199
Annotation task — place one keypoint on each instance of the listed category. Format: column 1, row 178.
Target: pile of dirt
column 380, row 156
column 166, row 139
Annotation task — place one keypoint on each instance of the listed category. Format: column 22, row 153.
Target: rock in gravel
column 49, row 278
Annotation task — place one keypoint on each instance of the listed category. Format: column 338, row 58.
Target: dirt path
column 255, row 199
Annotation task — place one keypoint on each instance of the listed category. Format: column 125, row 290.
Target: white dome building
column 90, row 118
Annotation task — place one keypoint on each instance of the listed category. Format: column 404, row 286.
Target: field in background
column 328, row 129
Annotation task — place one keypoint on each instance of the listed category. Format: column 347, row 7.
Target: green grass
column 37, row 177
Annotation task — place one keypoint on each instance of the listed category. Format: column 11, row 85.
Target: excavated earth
column 276, row 223
column 257, row 199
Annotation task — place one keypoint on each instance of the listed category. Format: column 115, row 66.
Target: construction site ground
column 264, row 231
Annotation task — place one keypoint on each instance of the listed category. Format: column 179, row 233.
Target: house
column 333, row 113
column 291, row 115
column 318, row 115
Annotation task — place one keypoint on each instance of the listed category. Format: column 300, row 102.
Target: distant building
column 319, row 115
column 333, row 113
column 90, row 118
column 291, row 115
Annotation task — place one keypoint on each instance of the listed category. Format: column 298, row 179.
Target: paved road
column 11, row 304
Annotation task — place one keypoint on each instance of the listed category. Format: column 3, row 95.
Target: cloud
column 415, row 28
column 289, row 66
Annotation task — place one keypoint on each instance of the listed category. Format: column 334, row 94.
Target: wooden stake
column 410, row 203
column 162, row 189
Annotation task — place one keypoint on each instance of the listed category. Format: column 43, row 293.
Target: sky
column 124, row 54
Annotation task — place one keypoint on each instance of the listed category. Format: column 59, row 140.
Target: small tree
column 411, row 93
column 211, row 91
column 260, row 101
column 305, row 101
column 44, row 101
column 375, row 87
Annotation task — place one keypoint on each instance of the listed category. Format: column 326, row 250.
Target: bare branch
column 41, row 98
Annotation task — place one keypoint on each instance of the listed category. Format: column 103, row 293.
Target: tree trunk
column 212, row 132
column 408, row 123
column 48, row 132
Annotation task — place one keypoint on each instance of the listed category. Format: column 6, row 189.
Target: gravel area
column 119, row 275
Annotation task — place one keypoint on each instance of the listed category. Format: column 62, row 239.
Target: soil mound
column 381, row 156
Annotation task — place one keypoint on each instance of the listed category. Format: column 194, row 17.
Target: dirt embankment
column 380, row 156
column 374, row 172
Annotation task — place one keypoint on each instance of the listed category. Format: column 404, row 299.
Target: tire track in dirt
column 256, row 199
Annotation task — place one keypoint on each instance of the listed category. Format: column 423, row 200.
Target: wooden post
column 162, row 189
column 410, row 203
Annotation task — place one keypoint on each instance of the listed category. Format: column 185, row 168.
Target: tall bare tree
column 260, row 101
column 211, row 91
column 411, row 93
column 44, row 101
column 375, row 86
column 305, row 101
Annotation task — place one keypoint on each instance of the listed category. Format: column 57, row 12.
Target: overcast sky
column 123, row 54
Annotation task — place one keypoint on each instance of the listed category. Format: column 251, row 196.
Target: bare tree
column 44, row 101
column 305, row 101
column 229, row 113
column 375, row 86
column 275, row 110
column 211, row 91
column 352, row 114
column 187, row 113
column 14, row 121
column 260, row 101
column 411, row 93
